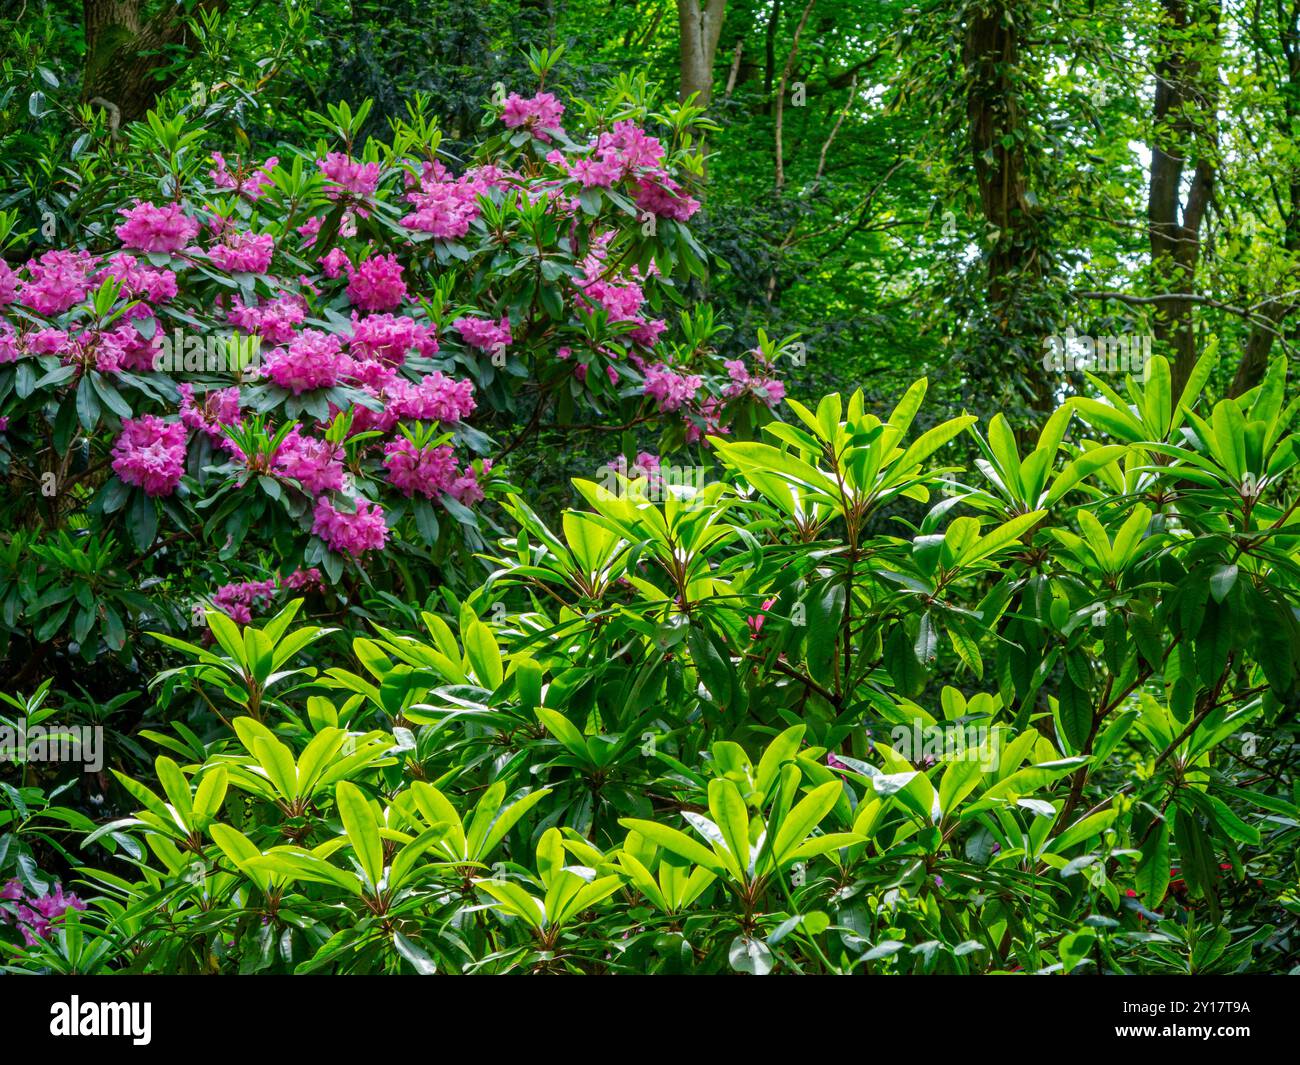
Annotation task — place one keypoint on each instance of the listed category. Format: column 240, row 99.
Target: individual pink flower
column 353, row 534
column 376, row 284
column 150, row 228
column 755, row 621
column 150, row 453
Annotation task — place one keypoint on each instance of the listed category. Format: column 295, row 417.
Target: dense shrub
column 267, row 376
column 759, row 724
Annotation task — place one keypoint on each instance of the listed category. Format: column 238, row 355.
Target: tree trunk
column 1259, row 345
column 1183, row 128
column 991, row 54
column 701, row 25
column 125, row 53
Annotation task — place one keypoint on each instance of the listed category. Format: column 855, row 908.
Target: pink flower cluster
column 274, row 320
column 35, row 914
column 647, row 465
column 252, row 184
column 243, row 253
column 315, row 464
column 150, row 228
column 447, row 206
column 437, row 398
column 766, row 388
column 220, row 407
column 376, row 285
column 351, row 533
column 429, row 470
column 343, row 174
column 150, row 453
column 388, row 338
column 313, row 359
column 671, row 390
column 483, row 333
column 538, row 113
column 57, row 280
column 237, row 600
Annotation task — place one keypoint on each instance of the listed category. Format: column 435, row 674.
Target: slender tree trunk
column 995, row 124
column 1183, row 134
column 700, row 22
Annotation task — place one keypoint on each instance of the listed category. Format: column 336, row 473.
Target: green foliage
column 741, row 728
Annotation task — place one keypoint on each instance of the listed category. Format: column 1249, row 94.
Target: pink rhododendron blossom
column 661, row 196
column 316, row 464
column 150, row 228
column 220, row 407
column 436, row 398
column 313, row 359
column 376, row 284
column 244, row 253
column 35, row 915
column 8, row 284
column 671, row 390
column 353, row 534
column 303, row 579
column 429, row 471
column 9, row 348
column 150, row 453
column 538, row 113
column 767, row 389
column 647, row 465
column 237, row 600
column 334, row 262
column 343, row 173
column 57, row 280
column 484, row 333
column 467, row 488
column 273, row 320
column 388, row 338
column 140, row 281
column 446, row 206
column 251, row 184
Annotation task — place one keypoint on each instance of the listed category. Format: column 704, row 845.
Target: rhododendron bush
column 753, row 725
column 264, row 375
